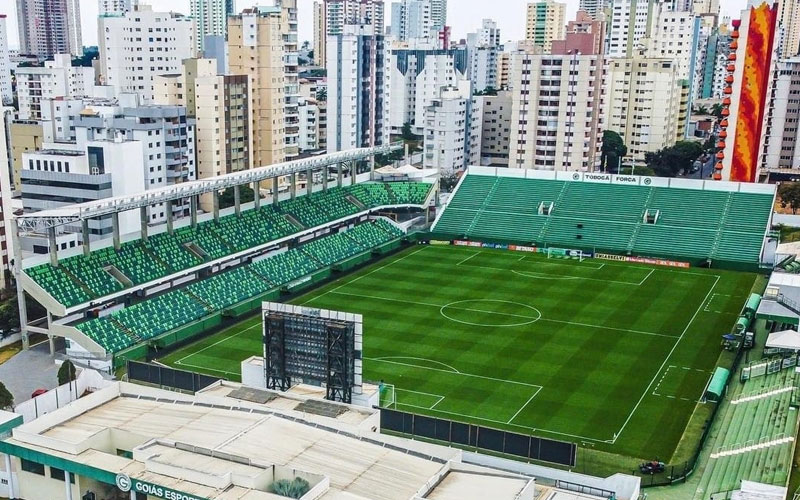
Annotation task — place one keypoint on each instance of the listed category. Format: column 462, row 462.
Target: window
column 32, row 467
column 58, row 473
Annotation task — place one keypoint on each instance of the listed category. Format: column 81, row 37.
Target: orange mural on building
column 752, row 101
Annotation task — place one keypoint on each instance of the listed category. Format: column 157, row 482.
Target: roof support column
column 23, row 310
column 237, row 200
column 372, row 168
column 309, row 182
column 325, row 172
column 215, row 204
column 169, row 217
column 87, row 248
column 274, row 190
column 143, row 219
column 339, row 174
column 7, row 460
column 52, row 246
column 353, row 172
column 115, row 228
column 256, row 195
column 193, row 210
column 293, row 185
column 67, row 486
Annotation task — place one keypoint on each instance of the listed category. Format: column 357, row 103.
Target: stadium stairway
column 692, row 224
column 174, row 309
column 79, row 279
column 756, row 435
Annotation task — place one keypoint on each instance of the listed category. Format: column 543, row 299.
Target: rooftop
column 214, row 446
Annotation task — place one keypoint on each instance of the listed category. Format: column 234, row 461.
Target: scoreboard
column 312, row 346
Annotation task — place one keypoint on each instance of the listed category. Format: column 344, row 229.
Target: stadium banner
column 658, row 262
column 626, row 179
column 522, row 248
column 641, row 260
column 497, row 246
column 605, row 178
column 463, row 243
column 439, row 242
column 610, row 256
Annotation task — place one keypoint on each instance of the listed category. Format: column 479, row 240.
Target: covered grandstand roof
column 214, row 448
column 38, row 221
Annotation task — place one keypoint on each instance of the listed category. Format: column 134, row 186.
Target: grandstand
column 695, row 221
column 80, row 279
column 183, row 307
column 755, row 442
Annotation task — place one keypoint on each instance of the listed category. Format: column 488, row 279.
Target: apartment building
column 57, row 78
column 358, row 89
column 256, row 50
column 49, row 27
column 417, row 77
column 544, row 22
column 644, row 103
column 141, row 44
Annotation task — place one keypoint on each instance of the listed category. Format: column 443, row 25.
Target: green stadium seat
column 82, row 278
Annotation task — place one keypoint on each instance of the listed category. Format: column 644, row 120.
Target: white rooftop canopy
column 785, row 339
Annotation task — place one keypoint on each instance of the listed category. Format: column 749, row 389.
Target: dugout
column 716, row 387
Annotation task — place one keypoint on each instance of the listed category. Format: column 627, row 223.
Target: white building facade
column 141, row 44
column 631, row 22
column 58, row 78
column 6, row 91
column 453, row 126
column 210, row 19
column 358, row 90
column 557, row 120
column 781, row 137
column 484, row 49
column 417, row 77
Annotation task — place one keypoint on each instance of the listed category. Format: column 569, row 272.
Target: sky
column 463, row 15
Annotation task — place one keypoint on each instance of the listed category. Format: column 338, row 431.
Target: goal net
column 388, row 395
column 564, row 253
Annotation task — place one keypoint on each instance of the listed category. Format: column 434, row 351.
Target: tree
column 322, row 95
column 66, row 373
column 789, row 193
column 614, row 148
column 487, row 91
column 701, row 110
column 407, row 134
column 226, row 198
column 673, row 160
column 716, row 110
column 6, row 399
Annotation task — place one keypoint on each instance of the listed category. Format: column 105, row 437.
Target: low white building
column 453, row 125
column 58, row 78
column 417, row 77
column 63, row 174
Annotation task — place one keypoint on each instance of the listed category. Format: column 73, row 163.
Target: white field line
column 385, row 358
column 207, row 368
column 669, row 355
column 483, row 419
column 467, row 258
column 180, row 361
column 600, row 327
column 661, row 269
column 523, row 406
column 538, row 275
column 363, row 276
column 439, row 396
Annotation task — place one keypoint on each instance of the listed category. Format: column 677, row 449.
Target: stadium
column 599, row 318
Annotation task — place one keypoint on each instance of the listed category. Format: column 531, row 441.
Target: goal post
column 564, row 253
column 387, row 395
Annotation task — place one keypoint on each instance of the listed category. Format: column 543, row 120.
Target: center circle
column 490, row 312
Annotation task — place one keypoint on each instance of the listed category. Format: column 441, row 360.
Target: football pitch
column 606, row 354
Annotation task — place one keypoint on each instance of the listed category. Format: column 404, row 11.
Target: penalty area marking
column 707, row 307
column 389, row 358
column 509, row 422
column 398, row 403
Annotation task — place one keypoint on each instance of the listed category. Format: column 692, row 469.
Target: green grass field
column 610, row 355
